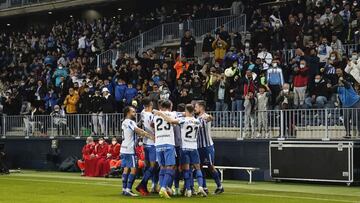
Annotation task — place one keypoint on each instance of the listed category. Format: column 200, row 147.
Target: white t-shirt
column 189, row 132
column 164, row 131
column 147, row 119
column 128, row 144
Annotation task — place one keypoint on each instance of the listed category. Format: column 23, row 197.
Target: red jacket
column 114, row 150
column 102, row 150
column 301, row 77
column 87, row 150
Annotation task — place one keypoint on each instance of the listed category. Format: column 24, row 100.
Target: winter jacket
column 71, row 102
column 120, row 92
column 220, row 49
column 301, row 77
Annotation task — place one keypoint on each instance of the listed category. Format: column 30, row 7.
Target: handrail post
column 241, row 127
column 282, row 137
column 78, row 126
column 162, row 32
column 3, row 126
column 142, row 41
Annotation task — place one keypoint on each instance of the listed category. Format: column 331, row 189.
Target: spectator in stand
column 249, row 108
column 96, row 103
column 220, row 47
column 207, row 48
column 120, row 89
column 324, row 51
column 300, row 83
column 51, row 99
column 350, row 100
column 291, row 31
column 285, row 100
column 236, row 94
column 263, row 97
column 108, row 107
column 353, row 67
column 70, row 103
column 188, row 44
column 319, row 93
column 181, row 66
column 337, row 45
column 237, row 7
column 221, row 94
column 130, row 94
column 275, row 80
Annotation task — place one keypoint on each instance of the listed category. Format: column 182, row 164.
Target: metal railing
column 174, row 31
column 18, row 3
column 332, row 123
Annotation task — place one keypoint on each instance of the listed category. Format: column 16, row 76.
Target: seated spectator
column 353, row 67
column 318, row 93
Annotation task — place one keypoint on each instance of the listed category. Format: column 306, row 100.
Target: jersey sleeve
column 132, row 125
column 181, row 121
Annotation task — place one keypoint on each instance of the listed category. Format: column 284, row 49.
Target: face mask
column 113, row 142
column 247, row 44
column 354, row 58
column 87, row 142
column 234, row 65
column 302, row 65
column 286, row 91
column 333, row 58
column 277, row 25
column 101, row 142
column 274, row 65
column 317, row 80
column 140, row 144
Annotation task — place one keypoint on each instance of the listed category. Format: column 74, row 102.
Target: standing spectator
column 236, row 94
column 237, row 7
column 219, row 47
column 291, row 31
column 350, row 100
column 338, row 25
column 59, row 119
column 285, row 100
column 120, row 89
column 108, row 107
column 97, row 116
column 188, row 44
column 51, row 100
column 207, row 48
column 40, row 94
column 275, row 80
column 221, row 94
column 300, row 83
column 324, row 51
column 154, row 95
column 249, row 108
column 60, row 72
column 181, row 66
column 337, row 45
column 70, row 104
column 353, row 67
column 130, row 93
column 263, row 98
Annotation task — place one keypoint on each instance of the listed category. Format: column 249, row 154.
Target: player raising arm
column 127, row 151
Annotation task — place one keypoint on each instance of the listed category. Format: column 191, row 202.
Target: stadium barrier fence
column 325, row 124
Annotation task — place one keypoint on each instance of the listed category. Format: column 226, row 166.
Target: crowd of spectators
column 235, row 72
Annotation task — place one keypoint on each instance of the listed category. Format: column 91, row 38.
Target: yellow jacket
column 219, row 51
column 70, row 103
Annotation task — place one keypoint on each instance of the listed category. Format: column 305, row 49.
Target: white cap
column 105, row 89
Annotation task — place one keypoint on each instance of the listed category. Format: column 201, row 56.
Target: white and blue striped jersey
column 164, row 131
column 129, row 137
column 147, row 119
column 189, row 132
column 177, row 130
column 204, row 134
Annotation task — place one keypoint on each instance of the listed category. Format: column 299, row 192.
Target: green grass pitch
column 53, row 187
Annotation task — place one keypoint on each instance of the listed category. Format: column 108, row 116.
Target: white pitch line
column 233, row 193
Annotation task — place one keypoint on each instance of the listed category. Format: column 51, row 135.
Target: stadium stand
column 285, row 73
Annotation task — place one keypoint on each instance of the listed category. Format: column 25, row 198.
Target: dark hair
column 201, row 103
column 166, row 104
column 127, row 110
column 146, row 101
column 189, row 108
column 180, row 107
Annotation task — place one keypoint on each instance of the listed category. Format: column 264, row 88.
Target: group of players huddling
column 178, row 142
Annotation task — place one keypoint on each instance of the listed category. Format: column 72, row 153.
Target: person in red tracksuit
column 88, row 164
column 102, row 166
column 114, row 154
column 139, row 150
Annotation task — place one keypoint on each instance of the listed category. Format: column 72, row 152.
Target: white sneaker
column 177, row 192
column 188, row 193
column 202, row 192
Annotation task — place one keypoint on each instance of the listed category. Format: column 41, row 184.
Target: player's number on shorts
column 189, row 133
column 159, row 123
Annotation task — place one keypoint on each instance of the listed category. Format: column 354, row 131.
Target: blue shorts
column 190, row 156
column 165, row 155
column 207, row 155
column 150, row 153
column 128, row 161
